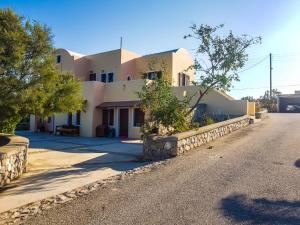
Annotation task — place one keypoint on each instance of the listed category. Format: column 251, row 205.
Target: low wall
column 262, row 114
column 13, row 157
column 157, row 147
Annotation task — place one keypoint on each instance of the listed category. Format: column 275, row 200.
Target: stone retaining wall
column 262, row 114
column 13, row 157
column 157, row 147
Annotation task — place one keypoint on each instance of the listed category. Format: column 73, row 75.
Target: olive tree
column 218, row 58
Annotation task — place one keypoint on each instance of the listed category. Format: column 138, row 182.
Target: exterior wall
column 128, row 66
column 156, row 61
column 106, row 62
column 181, row 61
column 93, row 92
column 122, row 90
column 217, row 102
column 13, row 158
column 251, row 109
column 157, row 148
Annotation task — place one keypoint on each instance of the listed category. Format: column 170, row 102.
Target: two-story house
column 110, row 81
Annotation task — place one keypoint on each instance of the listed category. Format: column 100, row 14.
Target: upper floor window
column 103, row 77
column 58, row 58
column 153, row 75
column 183, row 79
column 110, row 77
column 92, row 76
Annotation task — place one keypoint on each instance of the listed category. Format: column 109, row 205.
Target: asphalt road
column 251, row 176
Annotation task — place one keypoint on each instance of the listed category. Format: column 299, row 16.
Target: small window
column 69, row 119
column 139, row 116
column 111, row 117
column 183, row 79
column 78, row 115
column 92, row 77
column 129, row 77
column 110, row 77
column 58, row 59
column 103, row 77
column 153, row 75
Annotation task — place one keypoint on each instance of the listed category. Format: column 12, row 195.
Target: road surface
column 251, row 176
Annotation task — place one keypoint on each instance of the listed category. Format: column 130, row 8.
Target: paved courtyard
column 58, row 164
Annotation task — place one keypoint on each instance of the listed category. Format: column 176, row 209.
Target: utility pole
column 270, row 76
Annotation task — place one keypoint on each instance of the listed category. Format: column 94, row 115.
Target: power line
column 254, row 65
column 254, row 88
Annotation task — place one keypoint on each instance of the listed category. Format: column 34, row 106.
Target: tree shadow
column 240, row 208
column 297, row 163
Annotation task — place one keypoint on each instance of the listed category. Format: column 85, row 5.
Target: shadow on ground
column 241, row 209
column 297, row 163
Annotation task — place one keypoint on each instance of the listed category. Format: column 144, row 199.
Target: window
column 111, row 117
column 129, row 77
column 103, row 77
column 78, row 114
column 58, row 59
column 69, row 119
column 108, row 117
column 49, row 119
column 110, row 77
column 139, row 116
column 104, row 117
column 92, row 76
column 183, row 79
column 153, row 75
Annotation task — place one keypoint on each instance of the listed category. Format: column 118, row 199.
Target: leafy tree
column 29, row 80
column 249, row 98
column 269, row 103
column 163, row 109
column 218, row 58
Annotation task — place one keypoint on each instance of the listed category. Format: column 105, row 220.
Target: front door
column 123, row 123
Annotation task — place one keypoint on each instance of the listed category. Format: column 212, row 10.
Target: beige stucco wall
column 251, row 108
column 128, row 65
column 106, row 62
column 157, row 62
column 181, row 62
column 217, row 102
column 122, row 90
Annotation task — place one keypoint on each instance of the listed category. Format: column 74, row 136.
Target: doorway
column 123, row 129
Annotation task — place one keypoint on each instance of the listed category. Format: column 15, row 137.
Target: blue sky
column 91, row 26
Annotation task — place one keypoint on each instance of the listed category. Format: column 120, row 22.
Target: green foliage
column 29, row 80
column 210, row 121
column 267, row 102
column 249, row 98
column 162, row 107
column 218, row 58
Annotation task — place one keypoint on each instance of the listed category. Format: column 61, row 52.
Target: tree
column 249, row 98
column 269, row 103
column 218, row 58
column 29, row 80
column 162, row 107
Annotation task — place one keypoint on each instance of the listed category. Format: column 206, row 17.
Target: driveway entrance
column 58, row 164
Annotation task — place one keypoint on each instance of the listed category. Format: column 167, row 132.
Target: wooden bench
column 67, row 130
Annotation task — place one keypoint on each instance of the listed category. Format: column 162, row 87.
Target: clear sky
column 91, row 26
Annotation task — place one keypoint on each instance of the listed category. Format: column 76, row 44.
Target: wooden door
column 123, row 131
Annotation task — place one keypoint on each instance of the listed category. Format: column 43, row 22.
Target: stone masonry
column 13, row 157
column 158, row 147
